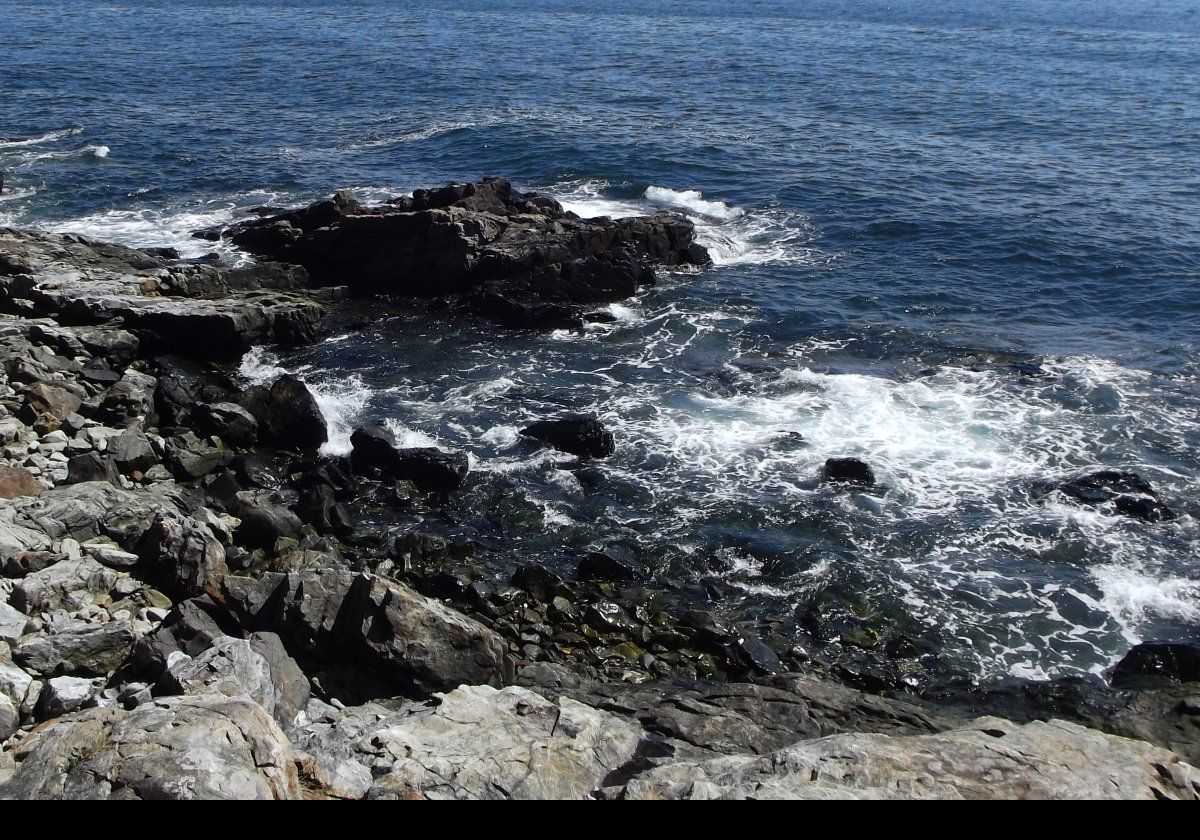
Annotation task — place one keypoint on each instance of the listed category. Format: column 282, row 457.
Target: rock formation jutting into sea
column 195, row 602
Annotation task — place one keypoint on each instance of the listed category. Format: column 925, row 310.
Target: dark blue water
column 961, row 240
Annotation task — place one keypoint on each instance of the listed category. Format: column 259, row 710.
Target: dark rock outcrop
column 517, row 256
column 432, row 470
column 287, row 414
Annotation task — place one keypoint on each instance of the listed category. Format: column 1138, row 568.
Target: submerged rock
column 848, row 471
column 1128, row 493
column 576, row 434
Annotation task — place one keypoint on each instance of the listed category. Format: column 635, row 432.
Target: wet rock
column 539, row 582
column 287, row 414
column 991, row 759
column 432, row 470
column 1155, row 664
column 848, row 471
column 518, row 256
column 1128, row 494
column 318, row 506
column 576, row 434
column 205, row 747
column 15, row 482
column 614, row 563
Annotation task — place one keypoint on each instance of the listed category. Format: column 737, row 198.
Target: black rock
column 287, row 413
column 578, row 435
column 539, row 582
column 1155, row 664
column 229, row 421
column 614, row 563
column 318, row 506
column 431, row 470
column 263, row 526
column 131, row 451
column 92, row 467
column 849, row 471
column 1128, row 492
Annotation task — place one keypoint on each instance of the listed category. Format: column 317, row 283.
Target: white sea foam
column 342, row 399
column 732, row 235
column 48, row 137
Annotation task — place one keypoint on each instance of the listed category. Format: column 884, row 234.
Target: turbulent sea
column 958, row 240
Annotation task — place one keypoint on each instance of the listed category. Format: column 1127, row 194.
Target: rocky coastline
column 192, row 607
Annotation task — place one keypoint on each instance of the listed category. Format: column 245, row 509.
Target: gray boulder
column 478, row 742
column 87, row 650
column 258, row 668
column 418, row 645
column 204, row 747
column 990, row 759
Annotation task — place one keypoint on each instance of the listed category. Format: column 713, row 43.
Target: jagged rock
column 205, row 747
column 91, row 650
column 752, row 718
column 418, row 645
column 519, row 255
column 191, row 628
column 130, row 401
column 991, row 759
column 258, row 668
column 181, row 556
column 578, row 435
column 12, row 624
column 319, row 507
column 91, row 466
column 70, row 585
column 480, row 743
column 431, row 470
column 264, row 525
column 131, row 451
column 47, row 406
column 195, row 310
column 64, row 695
column 287, row 414
column 191, row 458
column 229, row 421
column 15, row 482
column 848, row 471
column 10, row 719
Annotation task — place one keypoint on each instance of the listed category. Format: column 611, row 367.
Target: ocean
column 958, row 240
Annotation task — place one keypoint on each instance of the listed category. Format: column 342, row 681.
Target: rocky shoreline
column 191, row 607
